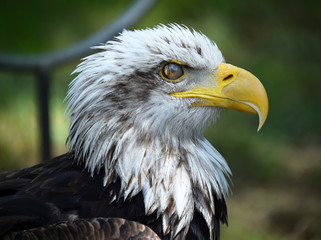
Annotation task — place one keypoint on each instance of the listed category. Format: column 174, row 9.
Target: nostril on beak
column 228, row 77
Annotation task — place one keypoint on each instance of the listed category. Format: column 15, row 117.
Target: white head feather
column 124, row 120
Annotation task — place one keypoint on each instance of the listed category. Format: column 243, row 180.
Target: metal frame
column 42, row 64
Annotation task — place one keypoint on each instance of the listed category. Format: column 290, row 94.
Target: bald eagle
column 138, row 163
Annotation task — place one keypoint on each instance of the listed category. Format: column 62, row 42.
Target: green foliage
column 278, row 41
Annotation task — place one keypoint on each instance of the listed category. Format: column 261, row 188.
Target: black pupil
column 173, row 71
column 173, row 68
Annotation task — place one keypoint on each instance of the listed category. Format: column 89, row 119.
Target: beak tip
column 262, row 118
column 259, row 127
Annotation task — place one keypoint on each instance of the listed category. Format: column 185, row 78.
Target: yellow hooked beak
column 234, row 88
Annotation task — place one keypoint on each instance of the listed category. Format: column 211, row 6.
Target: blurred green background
column 276, row 172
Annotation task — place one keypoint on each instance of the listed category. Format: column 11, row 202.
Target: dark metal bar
column 43, row 81
column 82, row 48
column 44, row 62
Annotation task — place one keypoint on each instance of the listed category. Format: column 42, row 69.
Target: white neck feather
column 168, row 171
column 165, row 163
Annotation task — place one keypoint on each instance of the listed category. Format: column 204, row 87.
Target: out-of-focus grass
column 19, row 131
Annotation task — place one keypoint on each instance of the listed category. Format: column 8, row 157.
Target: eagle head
column 138, row 109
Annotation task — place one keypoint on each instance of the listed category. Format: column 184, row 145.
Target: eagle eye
column 172, row 71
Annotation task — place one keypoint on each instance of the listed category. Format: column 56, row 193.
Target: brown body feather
column 58, row 196
column 91, row 229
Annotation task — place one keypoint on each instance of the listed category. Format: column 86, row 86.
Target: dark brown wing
column 91, row 229
column 60, row 190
